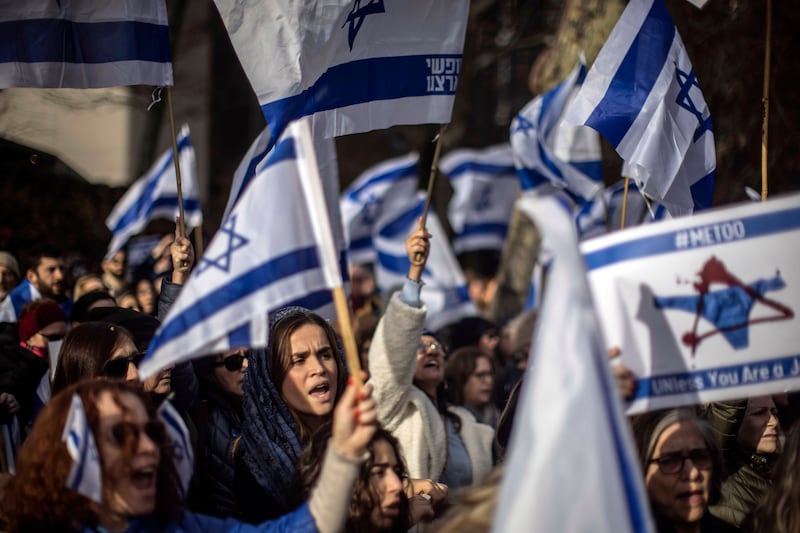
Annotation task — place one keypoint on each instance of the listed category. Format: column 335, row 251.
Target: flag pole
column 320, row 221
column 624, row 203
column 765, row 102
column 432, row 178
column 198, row 241
column 181, row 226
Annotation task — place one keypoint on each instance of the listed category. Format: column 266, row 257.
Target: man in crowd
column 43, row 278
column 9, row 274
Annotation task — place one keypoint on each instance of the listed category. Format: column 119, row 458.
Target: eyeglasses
column 232, row 363
column 672, row 463
column 118, row 368
column 124, row 433
column 435, row 347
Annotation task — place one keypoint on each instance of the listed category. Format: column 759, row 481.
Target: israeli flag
column 445, row 292
column 85, row 475
column 246, row 170
column 155, row 195
column 84, row 43
column 328, row 163
column 643, row 96
column 546, row 150
column 275, row 249
column 11, row 307
column 569, row 399
column 485, row 187
column 639, row 210
column 180, row 445
column 350, row 66
column 379, row 189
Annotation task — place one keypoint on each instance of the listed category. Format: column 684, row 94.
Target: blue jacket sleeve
column 299, row 521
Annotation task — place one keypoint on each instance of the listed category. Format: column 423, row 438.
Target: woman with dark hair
column 137, row 481
column 290, row 390
column 682, row 469
column 779, row 511
column 470, row 383
column 439, row 441
column 379, row 502
column 95, row 349
column 219, row 420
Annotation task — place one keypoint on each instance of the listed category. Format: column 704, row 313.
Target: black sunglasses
column 232, row 363
column 126, row 432
column 118, row 368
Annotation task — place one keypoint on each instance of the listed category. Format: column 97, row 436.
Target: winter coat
column 298, row 521
column 219, row 424
column 748, row 473
column 406, row 410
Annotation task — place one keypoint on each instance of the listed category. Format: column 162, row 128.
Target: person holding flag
column 406, row 364
column 112, row 471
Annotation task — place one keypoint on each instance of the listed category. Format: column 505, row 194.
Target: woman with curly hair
column 138, row 484
column 378, row 503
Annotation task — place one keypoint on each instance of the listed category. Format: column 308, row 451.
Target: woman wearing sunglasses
column 137, row 482
column 95, row 349
column 407, row 368
column 218, row 419
column 682, row 468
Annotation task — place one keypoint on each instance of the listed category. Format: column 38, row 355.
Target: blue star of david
column 727, row 309
column 484, row 200
column 235, row 242
column 522, row 124
column 357, row 16
column 371, row 209
column 684, row 99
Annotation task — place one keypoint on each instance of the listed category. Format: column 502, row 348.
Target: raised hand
column 354, row 421
column 182, row 254
column 418, row 247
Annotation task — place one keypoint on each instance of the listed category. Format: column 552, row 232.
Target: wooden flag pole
column 432, row 178
column 198, row 241
column 624, row 203
column 765, row 101
column 181, row 220
column 348, row 336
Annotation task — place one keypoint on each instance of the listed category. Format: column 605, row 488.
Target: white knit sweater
column 405, row 410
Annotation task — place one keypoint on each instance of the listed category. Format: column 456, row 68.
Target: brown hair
column 779, row 510
column 87, row 347
column 460, row 366
column 281, row 354
column 37, row 498
column 363, row 498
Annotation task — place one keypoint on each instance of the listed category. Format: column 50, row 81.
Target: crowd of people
column 284, row 439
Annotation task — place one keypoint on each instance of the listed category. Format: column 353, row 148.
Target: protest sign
column 704, row 308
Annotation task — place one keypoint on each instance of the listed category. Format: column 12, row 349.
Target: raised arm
column 393, row 353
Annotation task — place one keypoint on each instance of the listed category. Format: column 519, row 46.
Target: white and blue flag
column 155, row 195
column 642, row 95
column 180, row 445
column 547, row 150
column 327, row 161
column 85, row 474
column 275, row 249
column 84, row 43
column 379, row 189
column 485, row 187
column 352, row 66
column 445, row 292
column 246, row 170
column 569, row 399
column 23, row 293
